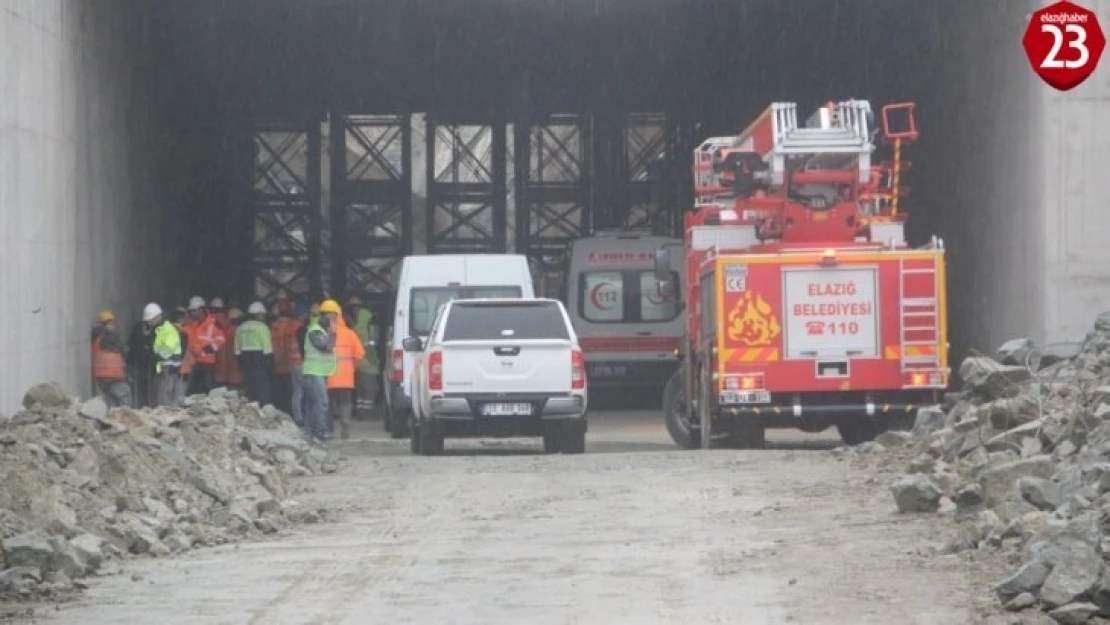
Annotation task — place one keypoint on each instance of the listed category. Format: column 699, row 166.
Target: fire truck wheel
column 682, row 431
column 857, row 431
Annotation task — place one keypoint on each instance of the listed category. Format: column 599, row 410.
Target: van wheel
column 683, row 432
column 399, row 423
column 572, row 438
column 857, row 431
column 431, row 439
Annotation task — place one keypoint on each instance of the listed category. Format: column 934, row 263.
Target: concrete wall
column 78, row 229
column 1075, row 143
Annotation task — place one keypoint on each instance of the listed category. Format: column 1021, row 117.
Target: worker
column 297, row 395
column 140, row 365
column 205, row 341
column 286, row 355
column 361, row 321
column 233, row 374
column 219, row 312
column 319, row 363
column 167, row 353
column 255, row 352
column 180, row 321
column 108, row 363
column 341, row 384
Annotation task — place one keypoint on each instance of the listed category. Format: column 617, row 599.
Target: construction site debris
column 81, row 484
column 1024, row 453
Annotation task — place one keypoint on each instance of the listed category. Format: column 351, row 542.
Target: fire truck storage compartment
column 831, row 314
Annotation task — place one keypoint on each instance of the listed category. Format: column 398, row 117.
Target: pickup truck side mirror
column 412, row 344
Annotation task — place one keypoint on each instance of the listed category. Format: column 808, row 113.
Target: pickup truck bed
column 500, row 368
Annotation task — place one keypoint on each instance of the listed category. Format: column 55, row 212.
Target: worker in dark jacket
column 140, row 364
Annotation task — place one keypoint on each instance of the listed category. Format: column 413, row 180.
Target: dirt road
column 631, row 532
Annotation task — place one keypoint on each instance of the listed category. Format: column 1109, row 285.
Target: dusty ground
column 631, row 532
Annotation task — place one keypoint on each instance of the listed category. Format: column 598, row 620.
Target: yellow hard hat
column 330, row 306
column 234, row 313
column 105, row 316
column 354, row 300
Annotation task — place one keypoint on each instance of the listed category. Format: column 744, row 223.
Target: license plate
column 745, row 397
column 608, row 371
column 505, row 410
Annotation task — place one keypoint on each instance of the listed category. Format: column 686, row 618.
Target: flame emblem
column 750, row 322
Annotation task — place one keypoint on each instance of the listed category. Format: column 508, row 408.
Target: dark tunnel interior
column 216, row 74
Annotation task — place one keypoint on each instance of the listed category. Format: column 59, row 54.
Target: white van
column 629, row 329
column 424, row 284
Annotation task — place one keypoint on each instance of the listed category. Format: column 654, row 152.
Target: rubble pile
column 1021, row 460
column 81, row 484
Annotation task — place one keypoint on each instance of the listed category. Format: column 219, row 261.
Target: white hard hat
column 196, row 303
column 216, row 303
column 256, row 308
column 151, row 310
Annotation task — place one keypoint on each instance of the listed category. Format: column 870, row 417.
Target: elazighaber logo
column 1064, row 43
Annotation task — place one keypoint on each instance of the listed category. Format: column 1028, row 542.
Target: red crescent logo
column 595, row 296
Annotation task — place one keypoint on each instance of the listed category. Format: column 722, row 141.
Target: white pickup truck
column 499, row 368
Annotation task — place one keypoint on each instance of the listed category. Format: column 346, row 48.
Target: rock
column 1042, row 493
column 160, row 510
column 969, row 500
column 52, row 513
column 916, row 493
column 893, row 439
column 1074, row 613
column 1031, row 446
column 47, row 395
column 95, row 409
column 1072, row 578
column 90, row 550
column 18, row 580
column 1020, row 353
column 1028, row 578
column 922, row 464
column 1020, row 602
column 1010, row 412
column 992, row 379
column 30, row 549
column 999, row 481
column 929, row 419
column 65, row 560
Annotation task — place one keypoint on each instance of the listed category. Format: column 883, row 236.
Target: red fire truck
column 806, row 307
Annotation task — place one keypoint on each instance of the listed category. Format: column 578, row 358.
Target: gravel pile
column 1021, row 460
column 81, row 484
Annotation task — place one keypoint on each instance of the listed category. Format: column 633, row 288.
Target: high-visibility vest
column 227, row 367
column 286, row 354
column 203, row 334
column 107, row 365
column 167, row 346
column 348, row 351
column 253, row 336
column 316, row 362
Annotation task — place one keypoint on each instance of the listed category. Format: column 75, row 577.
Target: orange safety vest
column 203, row 334
column 348, row 351
column 287, row 355
column 107, row 365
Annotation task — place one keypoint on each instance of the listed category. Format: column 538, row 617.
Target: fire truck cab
column 806, row 307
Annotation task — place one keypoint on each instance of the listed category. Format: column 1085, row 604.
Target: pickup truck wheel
column 431, row 439
column 683, row 432
column 399, row 423
column 857, row 431
column 572, row 438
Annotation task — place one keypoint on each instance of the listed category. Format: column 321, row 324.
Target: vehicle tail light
column 398, row 365
column 745, row 382
column 577, row 370
column 435, row 371
column 925, row 378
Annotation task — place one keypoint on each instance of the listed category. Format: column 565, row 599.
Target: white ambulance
column 629, row 328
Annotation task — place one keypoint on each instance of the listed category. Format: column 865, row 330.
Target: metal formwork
column 371, row 201
column 649, row 142
column 552, row 191
column 466, row 203
column 286, row 210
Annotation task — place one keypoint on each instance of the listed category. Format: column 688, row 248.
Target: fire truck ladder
column 920, row 319
column 832, row 138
